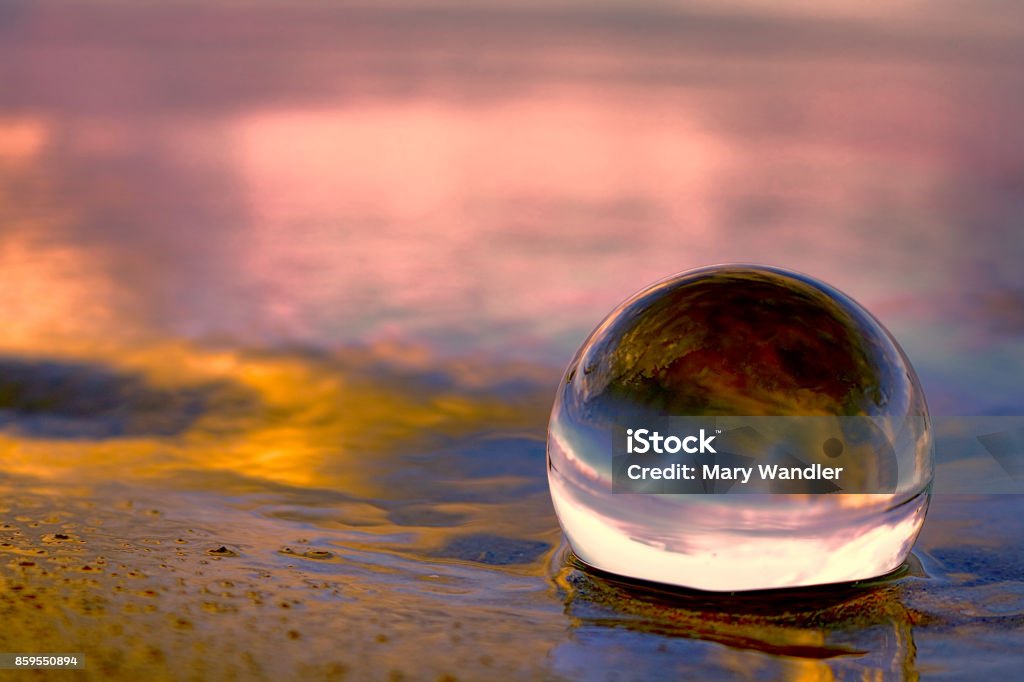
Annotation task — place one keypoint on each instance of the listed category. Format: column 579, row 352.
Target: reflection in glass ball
column 740, row 341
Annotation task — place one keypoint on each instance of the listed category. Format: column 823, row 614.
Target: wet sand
column 276, row 536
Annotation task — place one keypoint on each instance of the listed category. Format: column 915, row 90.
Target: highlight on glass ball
column 740, row 427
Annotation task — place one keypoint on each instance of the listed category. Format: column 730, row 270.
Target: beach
column 286, row 293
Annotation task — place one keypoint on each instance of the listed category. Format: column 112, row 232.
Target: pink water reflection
column 492, row 182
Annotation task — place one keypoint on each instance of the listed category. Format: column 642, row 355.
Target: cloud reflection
column 494, row 180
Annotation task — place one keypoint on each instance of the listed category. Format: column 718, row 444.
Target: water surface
column 286, row 290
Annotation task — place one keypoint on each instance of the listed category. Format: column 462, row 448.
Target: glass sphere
column 742, row 341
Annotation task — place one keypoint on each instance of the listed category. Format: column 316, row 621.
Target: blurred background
column 297, row 281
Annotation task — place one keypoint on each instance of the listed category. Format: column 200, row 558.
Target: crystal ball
column 742, row 341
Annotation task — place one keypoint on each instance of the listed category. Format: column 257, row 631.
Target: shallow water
column 285, row 294
column 300, row 530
